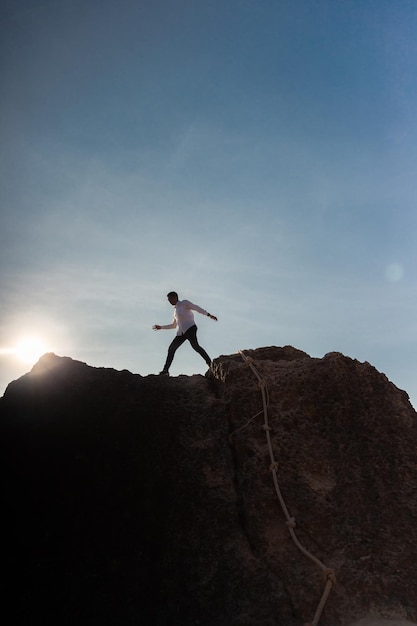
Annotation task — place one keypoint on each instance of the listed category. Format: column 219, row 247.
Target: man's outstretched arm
column 195, row 307
column 167, row 327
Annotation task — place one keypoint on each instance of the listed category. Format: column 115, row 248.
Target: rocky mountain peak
column 143, row 499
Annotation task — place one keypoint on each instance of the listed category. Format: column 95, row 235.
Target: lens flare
column 394, row 272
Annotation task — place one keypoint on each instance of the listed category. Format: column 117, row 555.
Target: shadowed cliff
column 150, row 500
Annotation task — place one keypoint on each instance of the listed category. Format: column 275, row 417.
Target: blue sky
column 258, row 157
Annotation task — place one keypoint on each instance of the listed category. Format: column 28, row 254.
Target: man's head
column 172, row 297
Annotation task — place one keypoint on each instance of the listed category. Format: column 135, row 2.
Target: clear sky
column 257, row 156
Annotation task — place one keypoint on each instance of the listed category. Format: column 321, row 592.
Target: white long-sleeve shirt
column 184, row 316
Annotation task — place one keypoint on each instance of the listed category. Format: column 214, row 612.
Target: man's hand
column 156, row 327
column 212, row 317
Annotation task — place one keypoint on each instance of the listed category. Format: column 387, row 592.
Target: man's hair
column 172, row 293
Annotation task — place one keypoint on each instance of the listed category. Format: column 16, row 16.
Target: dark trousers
column 191, row 335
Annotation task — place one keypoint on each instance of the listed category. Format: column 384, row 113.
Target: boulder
column 144, row 499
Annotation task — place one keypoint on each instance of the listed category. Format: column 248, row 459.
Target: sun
column 30, row 349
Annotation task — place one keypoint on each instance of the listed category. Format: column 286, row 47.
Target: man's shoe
column 164, row 373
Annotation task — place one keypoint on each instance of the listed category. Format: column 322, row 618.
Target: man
column 184, row 321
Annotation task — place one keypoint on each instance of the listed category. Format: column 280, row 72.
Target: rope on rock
column 244, row 426
column 290, row 521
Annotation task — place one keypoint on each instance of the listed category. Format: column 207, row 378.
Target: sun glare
column 29, row 350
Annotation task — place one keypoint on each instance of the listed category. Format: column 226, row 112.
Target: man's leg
column 174, row 345
column 191, row 335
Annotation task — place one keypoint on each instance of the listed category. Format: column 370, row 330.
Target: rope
column 290, row 521
column 244, row 426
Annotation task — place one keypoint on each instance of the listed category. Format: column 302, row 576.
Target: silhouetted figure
column 184, row 321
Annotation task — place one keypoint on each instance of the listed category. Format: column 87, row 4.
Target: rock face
column 151, row 500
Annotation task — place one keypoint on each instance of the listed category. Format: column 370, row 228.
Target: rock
column 135, row 499
column 373, row 621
